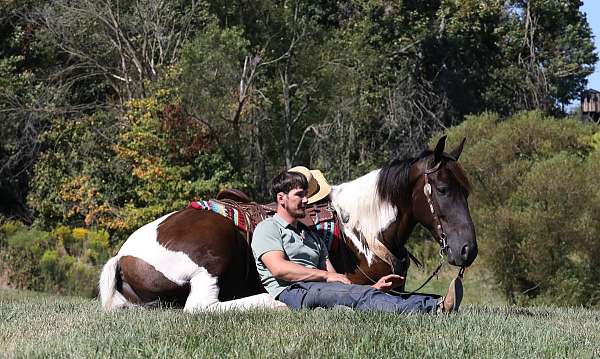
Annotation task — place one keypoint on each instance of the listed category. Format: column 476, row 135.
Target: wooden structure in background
column 590, row 105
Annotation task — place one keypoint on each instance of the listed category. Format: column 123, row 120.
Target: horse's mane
column 362, row 210
column 393, row 183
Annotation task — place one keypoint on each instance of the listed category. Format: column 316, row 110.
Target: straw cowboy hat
column 318, row 188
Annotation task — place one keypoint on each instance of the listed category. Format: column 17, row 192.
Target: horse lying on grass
column 200, row 260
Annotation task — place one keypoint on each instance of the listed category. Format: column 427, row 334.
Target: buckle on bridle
column 443, row 245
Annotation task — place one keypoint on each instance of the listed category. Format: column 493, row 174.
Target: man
column 295, row 269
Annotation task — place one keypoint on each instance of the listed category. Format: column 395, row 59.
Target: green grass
column 43, row 325
column 479, row 286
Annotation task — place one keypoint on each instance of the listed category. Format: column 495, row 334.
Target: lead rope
column 461, row 272
column 435, row 272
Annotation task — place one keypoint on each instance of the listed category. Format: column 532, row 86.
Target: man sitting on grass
column 294, row 267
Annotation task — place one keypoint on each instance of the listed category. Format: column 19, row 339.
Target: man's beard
column 298, row 213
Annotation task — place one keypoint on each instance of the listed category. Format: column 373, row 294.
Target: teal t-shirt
column 299, row 244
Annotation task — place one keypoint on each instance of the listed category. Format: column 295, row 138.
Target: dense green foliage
column 536, row 204
column 34, row 325
column 115, row 112
column 64, row 260
column 339, row 85
column 126, row 176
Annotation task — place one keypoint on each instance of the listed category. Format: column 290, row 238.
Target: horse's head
column 439, row 202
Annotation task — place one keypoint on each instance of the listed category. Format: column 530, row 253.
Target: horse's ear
column 438, row 153
column 458, row 150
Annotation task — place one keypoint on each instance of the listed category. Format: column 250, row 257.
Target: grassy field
column 479, row 286
column 43, row 325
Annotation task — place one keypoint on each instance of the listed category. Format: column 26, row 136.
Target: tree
column 547, row 54
column 122, row 43
column 25, row 108
column 534, row 204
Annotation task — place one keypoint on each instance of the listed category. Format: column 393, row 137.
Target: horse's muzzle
column 463, row 257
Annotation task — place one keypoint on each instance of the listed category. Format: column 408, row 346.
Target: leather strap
column 383, row 253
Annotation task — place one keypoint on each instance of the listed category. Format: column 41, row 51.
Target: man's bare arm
column 384, row 284
column 282, row 268
column 329, row 266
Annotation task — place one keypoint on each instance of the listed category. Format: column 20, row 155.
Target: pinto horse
column 199, row 260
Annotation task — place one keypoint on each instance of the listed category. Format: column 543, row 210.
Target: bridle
column 437, row 224
column 441, row 236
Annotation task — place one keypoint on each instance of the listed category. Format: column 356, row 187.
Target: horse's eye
column 443, row 190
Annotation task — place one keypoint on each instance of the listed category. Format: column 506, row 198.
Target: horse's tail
column 109, row 296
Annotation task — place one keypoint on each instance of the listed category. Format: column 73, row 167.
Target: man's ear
column 280, row 196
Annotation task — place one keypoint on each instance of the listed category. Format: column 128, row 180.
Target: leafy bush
column 19, row 255
column 535, row 204
column 65, row 260
column 49, row 262
column 151, row 159
column 97, row 252
column 81, row 278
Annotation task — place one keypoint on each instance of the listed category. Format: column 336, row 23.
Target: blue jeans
column 360, row 297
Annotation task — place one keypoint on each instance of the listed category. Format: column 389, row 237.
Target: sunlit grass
column 479, row 286
column 34, row 325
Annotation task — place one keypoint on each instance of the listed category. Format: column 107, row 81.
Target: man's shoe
column 451, row 302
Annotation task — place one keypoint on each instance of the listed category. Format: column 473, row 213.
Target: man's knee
column 363, row 293
column 328, row 295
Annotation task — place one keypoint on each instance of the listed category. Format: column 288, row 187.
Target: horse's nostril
column 464, row 252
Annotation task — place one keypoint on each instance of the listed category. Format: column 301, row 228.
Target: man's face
column 294, row 202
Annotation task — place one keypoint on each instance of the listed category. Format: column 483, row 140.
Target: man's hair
column 287, row 181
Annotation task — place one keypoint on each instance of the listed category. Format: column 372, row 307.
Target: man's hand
column 337, row 277
column 388, row 282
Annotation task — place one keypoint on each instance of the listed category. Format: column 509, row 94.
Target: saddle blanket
column 328, row 230
column 224, row 210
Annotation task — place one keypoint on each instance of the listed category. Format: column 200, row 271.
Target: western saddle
column 255, row 212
